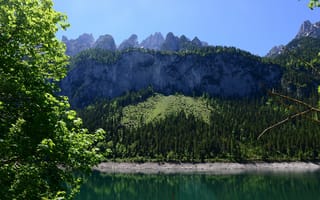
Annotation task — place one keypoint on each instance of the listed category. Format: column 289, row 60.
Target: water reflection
column 202, row 186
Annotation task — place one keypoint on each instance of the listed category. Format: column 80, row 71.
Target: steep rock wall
column 218, row 74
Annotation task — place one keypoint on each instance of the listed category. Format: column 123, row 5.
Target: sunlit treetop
column 313, row 4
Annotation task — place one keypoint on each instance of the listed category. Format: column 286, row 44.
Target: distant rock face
column 217, row 74
column 171, row 43
column 174, row 43
column 131, row 42
column 105, row 42
column 154, row 42
column 204, row 44
column 275, row 51
column 83, row 42
column 308, row 29
column 184, row 43
column 197, row 42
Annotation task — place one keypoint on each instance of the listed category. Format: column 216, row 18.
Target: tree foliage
column 42, row 141
column 314, row 3
column 230, row 134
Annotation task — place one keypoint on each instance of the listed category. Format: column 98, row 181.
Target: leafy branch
column 313, row 4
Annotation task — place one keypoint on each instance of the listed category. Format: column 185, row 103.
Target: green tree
column 314, row 3
column 42, row 142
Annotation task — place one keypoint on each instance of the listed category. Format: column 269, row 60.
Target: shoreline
column 211, row 168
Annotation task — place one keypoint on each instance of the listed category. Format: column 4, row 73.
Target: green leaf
column 34, row 119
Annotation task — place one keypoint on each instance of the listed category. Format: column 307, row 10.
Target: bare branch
column 284, row 121
column 310, row 109
column 296, row 101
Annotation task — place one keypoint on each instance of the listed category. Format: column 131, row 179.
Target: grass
column 159, row 106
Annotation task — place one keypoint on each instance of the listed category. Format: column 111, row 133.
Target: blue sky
column 252, row 25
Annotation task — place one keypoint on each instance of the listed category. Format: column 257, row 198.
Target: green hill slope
column 159, row 107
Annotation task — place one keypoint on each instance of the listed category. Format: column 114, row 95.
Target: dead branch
column 284, row 121
column 295, row 101
column 310, row 109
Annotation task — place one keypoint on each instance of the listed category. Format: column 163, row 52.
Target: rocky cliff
column 131, row 42
column 307, row 29
column 218, row 71
column 275, row 51
column 74, row 46
column 154, row 42
column 105, row 42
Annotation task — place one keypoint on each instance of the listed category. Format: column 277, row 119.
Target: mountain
column 177, row 99
column 154, row 41
column 308, row 29
column 131, row 42
column 105, row 42
column 300, row 59
column 75, row 46
column 198, row 43
column 171, row 43
column 218, row 71
column 275, row 51
column 175, row 43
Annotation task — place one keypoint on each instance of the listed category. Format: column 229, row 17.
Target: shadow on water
column 260, row 186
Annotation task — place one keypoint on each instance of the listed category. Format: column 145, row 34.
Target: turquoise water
column 293, row 186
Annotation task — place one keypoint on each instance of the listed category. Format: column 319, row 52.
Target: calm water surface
column 293, row 186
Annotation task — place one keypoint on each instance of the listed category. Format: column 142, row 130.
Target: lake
column 293, row 186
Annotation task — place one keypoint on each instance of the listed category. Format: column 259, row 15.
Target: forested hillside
column 300, row 62
column 186, row 134
column 150, row 123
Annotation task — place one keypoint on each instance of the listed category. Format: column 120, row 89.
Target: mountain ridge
column 182, row 66
column 197, row 105
column 218, row 71
column 155, row 41
column 307, row 29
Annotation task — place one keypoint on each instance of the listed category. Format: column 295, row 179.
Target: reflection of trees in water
column 266, row 186
column 201, row 186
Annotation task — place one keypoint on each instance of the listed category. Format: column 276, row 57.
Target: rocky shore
column 214, row 168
